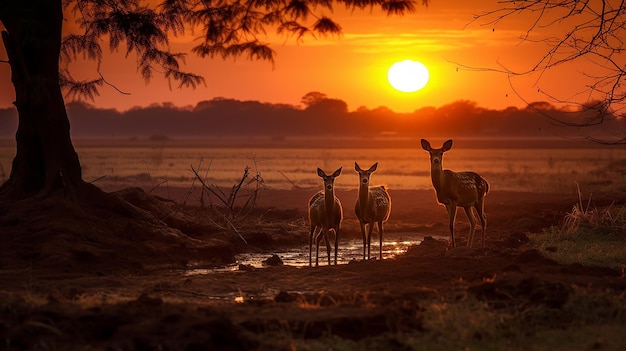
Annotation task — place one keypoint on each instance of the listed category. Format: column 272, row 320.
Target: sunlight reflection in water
column 299, row 257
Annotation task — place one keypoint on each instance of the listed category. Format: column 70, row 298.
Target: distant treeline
column 320, row 116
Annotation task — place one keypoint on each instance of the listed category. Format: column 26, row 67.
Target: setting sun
column 408, row 76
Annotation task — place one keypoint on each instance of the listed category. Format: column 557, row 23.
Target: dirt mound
column 106, row 233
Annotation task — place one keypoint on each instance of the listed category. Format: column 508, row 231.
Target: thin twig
column 111, row 85
column 293, row 184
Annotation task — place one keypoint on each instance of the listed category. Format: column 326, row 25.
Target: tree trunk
column 46, row 162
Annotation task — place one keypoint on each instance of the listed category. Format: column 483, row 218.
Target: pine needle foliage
column 222, row 29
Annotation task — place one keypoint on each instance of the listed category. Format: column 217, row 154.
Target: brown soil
column 63, row 290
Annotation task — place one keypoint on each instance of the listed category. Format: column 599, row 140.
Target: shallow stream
column 299, row 257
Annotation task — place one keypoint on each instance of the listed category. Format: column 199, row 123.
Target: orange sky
column 354, row 67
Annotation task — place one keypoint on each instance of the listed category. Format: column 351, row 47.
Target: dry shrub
column 224, row 208
column 589, row 235
column 610, row 220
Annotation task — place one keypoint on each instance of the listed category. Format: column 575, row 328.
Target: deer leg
column 336, row 243
column 472, row 220
column 452, row 216
column 311, row 245
column 483, row 221
column 326, row 234
column 364, row 238
column 318, row 238
column 370, row 227
column 380, row 234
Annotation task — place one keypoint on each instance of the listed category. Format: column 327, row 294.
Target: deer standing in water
column 458, row 189
column 372, row 206
column 325, row 213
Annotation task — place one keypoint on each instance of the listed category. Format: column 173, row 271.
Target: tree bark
column 45, row 162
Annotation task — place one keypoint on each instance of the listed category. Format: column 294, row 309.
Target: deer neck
column 329, row 202
column 363, row 196
column 436, row 175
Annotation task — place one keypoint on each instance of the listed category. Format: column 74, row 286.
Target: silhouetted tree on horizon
column 233, row 118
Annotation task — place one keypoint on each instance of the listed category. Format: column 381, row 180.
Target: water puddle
column 299, row 257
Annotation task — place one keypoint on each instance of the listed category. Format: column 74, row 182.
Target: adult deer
column 372, row 206
column 325, row 213
column 458, row 189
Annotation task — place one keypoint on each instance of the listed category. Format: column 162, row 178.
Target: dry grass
column 589, row 235
column 537, row 170
column 587, row 321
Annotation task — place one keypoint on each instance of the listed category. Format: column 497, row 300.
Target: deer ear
column 320, row 172
column 447, row 145
column 373, row 168
column 426, row 145
column 356, row 167
column 337, row 172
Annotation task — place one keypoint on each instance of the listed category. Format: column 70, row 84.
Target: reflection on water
column 299, row 257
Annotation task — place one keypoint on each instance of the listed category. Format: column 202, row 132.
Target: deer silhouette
column 458, row 189
column 372, row 206
column 325, row 214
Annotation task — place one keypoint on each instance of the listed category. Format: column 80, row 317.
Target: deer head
column 364, row 175
column 436, row 155
column 329, row 180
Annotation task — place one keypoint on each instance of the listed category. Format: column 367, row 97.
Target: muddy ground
column 84, row 292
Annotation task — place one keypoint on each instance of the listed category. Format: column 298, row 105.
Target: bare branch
column 595, row 34
column 111, row 85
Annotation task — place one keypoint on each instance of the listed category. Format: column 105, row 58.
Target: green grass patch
column 588, row 235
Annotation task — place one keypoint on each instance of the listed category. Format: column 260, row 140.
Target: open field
column 516, row 293
column 528, row 165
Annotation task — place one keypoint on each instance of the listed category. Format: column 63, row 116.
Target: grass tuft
column 588, row 235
